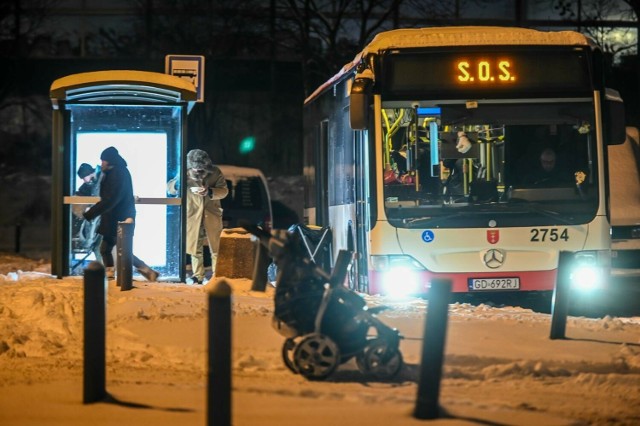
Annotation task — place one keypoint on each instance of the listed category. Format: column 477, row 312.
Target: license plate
column 488, row 284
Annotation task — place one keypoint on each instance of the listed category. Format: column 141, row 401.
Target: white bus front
column 490, row 163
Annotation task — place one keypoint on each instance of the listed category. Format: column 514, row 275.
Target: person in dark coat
column 117, row 204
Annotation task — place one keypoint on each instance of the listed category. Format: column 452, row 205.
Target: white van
column 248, row 198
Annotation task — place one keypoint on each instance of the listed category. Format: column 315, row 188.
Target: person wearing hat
column 89, row 187
column 206, row 186
column 117, row 204
column 90, row 178
column 85, row 235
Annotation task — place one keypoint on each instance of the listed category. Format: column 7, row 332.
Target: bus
column 472, row 154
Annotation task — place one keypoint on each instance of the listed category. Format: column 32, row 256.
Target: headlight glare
column 400, row 274
column 589, row 270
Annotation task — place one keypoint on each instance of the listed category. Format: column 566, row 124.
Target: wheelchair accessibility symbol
column 428, row 236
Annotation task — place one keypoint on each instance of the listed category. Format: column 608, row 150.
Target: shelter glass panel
column 148, row 138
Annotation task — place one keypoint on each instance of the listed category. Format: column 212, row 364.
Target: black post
column 260, row 265
column 219, row 374
column 435, row 332
column 18, row 237
column 560, row 303
column 124, row 250
column 94, row 333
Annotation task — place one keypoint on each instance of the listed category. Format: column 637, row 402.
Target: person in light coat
column 206, row 186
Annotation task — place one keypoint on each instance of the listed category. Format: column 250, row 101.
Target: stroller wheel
column 316, row 356
column 380, row 360
column 287, row 355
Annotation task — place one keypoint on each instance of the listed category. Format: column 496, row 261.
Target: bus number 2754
column 541, row 235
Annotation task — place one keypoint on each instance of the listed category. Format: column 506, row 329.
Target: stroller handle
column 278, row 248
column 339, row 272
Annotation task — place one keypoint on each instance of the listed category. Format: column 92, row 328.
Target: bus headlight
column 400, row 274
column 590, row 270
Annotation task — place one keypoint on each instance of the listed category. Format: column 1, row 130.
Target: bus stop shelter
column 143, row 115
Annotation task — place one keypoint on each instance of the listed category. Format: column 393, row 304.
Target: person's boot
column 110, row 272
column 149, row 273
column 194, row 280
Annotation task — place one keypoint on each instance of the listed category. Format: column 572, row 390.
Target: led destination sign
column 483, row 71
column 488, row 73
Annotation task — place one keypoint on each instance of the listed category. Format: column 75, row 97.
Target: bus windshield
column 463, row 164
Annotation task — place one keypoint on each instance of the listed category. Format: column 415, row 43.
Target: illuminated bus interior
column 503, row 159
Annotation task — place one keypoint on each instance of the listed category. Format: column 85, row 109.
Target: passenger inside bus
column 411, row 164
column 548, row 172
column 463, row 169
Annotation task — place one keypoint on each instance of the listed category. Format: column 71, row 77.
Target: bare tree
column 21, row 22
column 24, row 113
column 614, row 40
column 328, row 33
column 215, row 28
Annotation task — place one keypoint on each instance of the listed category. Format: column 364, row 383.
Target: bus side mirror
column 613, row 115
column 359, row 101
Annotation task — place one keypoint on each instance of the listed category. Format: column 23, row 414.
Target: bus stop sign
column 189, row 67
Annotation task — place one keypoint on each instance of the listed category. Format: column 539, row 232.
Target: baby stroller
column 324, row 323
column 86, row 241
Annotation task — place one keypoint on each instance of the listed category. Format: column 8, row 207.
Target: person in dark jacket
column 117, row 204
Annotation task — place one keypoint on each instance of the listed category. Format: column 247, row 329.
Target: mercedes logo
column 493, row 258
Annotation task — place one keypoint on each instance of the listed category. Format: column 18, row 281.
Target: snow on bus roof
column 459, row 36
column 472, row 36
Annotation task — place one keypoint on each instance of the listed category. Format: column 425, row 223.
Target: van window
column 248, row 198
column 248, row 194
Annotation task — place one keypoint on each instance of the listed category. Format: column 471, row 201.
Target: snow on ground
column 500, row 366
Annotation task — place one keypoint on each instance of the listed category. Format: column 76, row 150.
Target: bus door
column 358, row 278
column 322, row 179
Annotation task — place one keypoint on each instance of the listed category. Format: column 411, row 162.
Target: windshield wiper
column 431, row 220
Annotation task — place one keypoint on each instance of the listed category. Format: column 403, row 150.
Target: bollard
column 560, row 302
column 260, row 265
column 435, row 331
column 219, row 357
column 124, row 250
column 94, row 334
column 18, row 237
